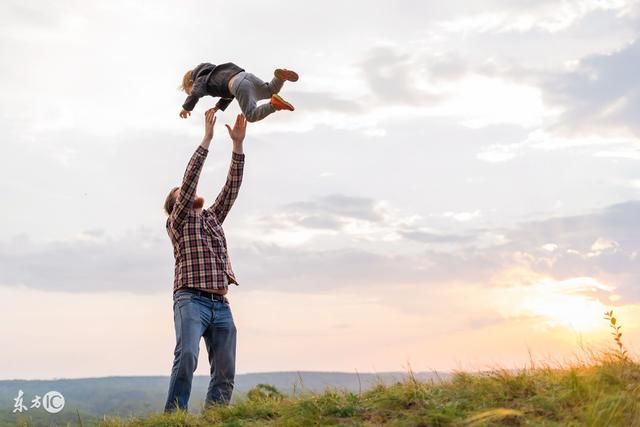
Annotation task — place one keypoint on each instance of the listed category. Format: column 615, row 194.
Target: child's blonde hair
column 187, row 83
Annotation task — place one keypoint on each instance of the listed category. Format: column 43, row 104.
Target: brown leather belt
column 204, row 294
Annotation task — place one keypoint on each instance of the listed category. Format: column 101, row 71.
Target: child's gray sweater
column 209, row 79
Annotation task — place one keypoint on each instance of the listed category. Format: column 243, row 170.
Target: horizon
column 242, row 374
column 458, row 187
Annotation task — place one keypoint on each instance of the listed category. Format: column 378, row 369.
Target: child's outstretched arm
column 197, row 91
column 189, row 105
column 221, row 105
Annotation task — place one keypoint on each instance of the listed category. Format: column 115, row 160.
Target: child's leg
column 250, row 90
column 280, row 75
column 275, row 85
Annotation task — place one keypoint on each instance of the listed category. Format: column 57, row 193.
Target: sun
column 573, row 303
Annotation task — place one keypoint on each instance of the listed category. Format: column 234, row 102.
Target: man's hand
column 209, row 122
column 239, row 129
column 184, row 113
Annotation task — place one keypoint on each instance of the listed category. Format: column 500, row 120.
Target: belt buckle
column 211, row 295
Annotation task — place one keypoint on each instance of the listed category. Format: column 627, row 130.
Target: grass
column 602, row 390
column 603, row 394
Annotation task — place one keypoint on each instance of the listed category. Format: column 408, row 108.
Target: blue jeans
column 196, row 316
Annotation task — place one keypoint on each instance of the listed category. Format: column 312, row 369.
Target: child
column 228, row 81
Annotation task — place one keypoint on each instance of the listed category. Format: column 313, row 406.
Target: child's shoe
column 280, row 104
column 284, row 74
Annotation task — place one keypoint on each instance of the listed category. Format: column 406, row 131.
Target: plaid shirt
column 199, row 245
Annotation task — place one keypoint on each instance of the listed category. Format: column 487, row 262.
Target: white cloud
column 632, row 152
column 543, row 140
column 337, row 216
column 603, row 245
column 462, row 216
column 479, row 101
column 497, row 153
column 548, row 16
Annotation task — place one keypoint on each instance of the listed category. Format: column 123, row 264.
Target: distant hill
column 93, row 398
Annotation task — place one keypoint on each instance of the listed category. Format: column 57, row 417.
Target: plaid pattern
column 199, row 245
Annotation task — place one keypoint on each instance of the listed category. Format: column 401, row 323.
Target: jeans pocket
column 180, row 297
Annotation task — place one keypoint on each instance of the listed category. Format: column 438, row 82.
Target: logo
column 53, row 402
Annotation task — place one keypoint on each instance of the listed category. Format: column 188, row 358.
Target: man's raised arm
column 192, row 174
column 223, row 203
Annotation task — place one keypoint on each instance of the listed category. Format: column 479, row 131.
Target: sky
column 458, row 187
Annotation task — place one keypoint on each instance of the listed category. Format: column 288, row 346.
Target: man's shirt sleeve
column 188, row 188
column 223, row 203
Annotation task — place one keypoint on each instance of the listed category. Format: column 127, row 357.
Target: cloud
column 542, row 140
column 325, row 101
column 595, row 104
column 601, row 93
column 338, row 205
column 362, row 218
column 434, row 84
column 138, row 262
column 545, row 16
column 462, row 216
column 604, row 246
column 430, row 237
column 391, row 82
column 395, row 78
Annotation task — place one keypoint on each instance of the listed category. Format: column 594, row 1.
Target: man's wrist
column 205, row 142
column 238, row 147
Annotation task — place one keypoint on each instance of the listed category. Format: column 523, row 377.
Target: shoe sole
column 287, row 75
column 279, row 99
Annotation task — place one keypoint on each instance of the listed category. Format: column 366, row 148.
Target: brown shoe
column 284, row 74
column 280, row 104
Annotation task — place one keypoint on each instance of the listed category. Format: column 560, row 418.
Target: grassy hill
column 606, row 393
column 91, row 399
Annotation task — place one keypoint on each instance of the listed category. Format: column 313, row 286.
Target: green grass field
column 602, row 394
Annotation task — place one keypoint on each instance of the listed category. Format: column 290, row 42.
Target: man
column 202, row 275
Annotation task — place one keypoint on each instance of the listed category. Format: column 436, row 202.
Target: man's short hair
column 170, row 201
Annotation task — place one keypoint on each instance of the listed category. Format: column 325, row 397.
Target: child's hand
column 184, row 113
